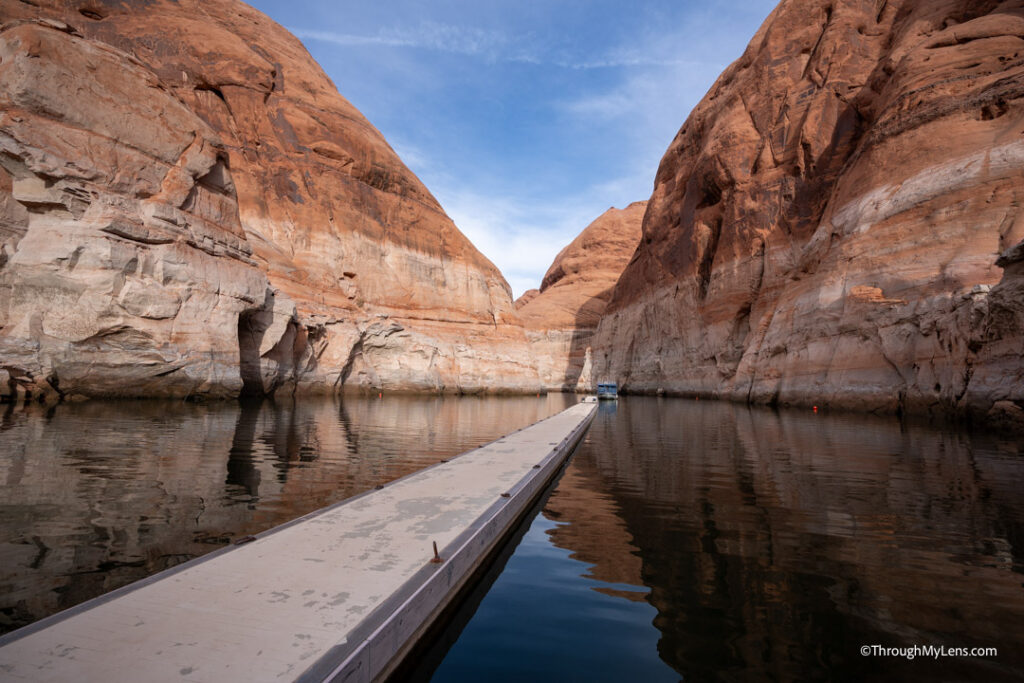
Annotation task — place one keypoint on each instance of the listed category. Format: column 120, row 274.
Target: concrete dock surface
column 340, row 594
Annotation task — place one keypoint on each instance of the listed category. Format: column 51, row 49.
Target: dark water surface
column 99, row 494
column 686, row 540
column 705, row 541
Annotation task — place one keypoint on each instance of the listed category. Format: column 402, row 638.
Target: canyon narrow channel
column 695, row 335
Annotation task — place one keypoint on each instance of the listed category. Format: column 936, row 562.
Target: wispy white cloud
column 613, row 62
column 487, row 44
column 427, row 35
column 649, row 94
column 646, row 107
column 413, row 156
column 647, row 52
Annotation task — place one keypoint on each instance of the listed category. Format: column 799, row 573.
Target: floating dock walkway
column 341, row 594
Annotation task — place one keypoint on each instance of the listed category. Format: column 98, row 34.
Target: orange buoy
column 815, row 408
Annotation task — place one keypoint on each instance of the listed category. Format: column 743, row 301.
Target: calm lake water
column 99, row 494
column 687, row 540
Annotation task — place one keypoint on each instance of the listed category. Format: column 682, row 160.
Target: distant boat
column 607, row 391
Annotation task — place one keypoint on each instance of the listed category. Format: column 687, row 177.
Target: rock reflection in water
column 98, row 494
column 774, row 545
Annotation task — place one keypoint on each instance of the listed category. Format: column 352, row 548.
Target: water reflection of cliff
column 593, row 529
column 99, row 494
column 776, row 544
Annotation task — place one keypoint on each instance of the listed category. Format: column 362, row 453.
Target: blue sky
column 525, row 118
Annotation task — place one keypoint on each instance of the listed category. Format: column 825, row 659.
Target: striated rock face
column 189, row 207
column 838, row 222
column 560, row 319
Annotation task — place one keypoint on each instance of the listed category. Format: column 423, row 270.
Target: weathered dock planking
column 341, row 594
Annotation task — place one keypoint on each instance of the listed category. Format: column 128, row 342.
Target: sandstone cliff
column 838, row 222
column 560, row 319
column 189, row 207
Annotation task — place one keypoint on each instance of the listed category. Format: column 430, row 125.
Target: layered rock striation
column 838, row 222
column 188, row 207
column 561, row 317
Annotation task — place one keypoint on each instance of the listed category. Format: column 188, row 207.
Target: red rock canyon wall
column 838, row 222
column 189, row 207
column 561, row 317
